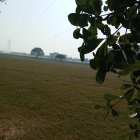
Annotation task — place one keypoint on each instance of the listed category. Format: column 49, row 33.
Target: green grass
column 46, row 100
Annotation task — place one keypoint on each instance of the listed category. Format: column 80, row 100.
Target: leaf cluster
column 117, row 52
column 89, row 18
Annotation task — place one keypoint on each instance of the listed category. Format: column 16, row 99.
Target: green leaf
column 119, row 61
column 129, row 54
column 115, row 113
column 137, row 36
column 86, row 33
column 112, row 40
column 83, row 20
column 115, row 46
column 82, row 56
column 104, row 29
column 76, row 34
column 78, row 19
column 89, row 46
column 105, row 8
column 94, row 64
column 103, row 50
column 131, row 11
column 73, row 18
column 100, row 75
column 125, row 38
column 78, row 9
column 113, row 20
column 93, row 30
column 102, row 59
column 118, row 33
column 135, row 72
column 129, row 94
column 92, row 21
column 114, row 4
column 81, row 2
column 107, row 30
column 110, row 56
column 97, row 4
column 110, row 97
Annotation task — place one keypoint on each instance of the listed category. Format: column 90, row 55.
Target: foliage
column 37, row 52
column 112, row 18
column 2, row 0
column 60, row 57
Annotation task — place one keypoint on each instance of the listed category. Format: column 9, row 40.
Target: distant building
column 53, row 55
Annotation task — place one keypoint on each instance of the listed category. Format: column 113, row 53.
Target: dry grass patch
column 46, row 100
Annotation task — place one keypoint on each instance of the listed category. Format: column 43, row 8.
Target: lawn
column 48, row 100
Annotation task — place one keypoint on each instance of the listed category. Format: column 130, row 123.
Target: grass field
column 46, row 100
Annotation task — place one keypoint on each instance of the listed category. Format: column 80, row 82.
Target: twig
column 117, row 30
column 107, row 14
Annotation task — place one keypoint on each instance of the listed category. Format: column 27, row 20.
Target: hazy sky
column 25, row 24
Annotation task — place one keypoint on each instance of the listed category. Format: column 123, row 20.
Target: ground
column 47, row 100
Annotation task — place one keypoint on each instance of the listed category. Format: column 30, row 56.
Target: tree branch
column 117, row 30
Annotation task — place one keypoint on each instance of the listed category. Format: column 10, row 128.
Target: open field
column 46, row 100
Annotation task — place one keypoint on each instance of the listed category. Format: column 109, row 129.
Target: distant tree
column 37, row 52
column 60, row 57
